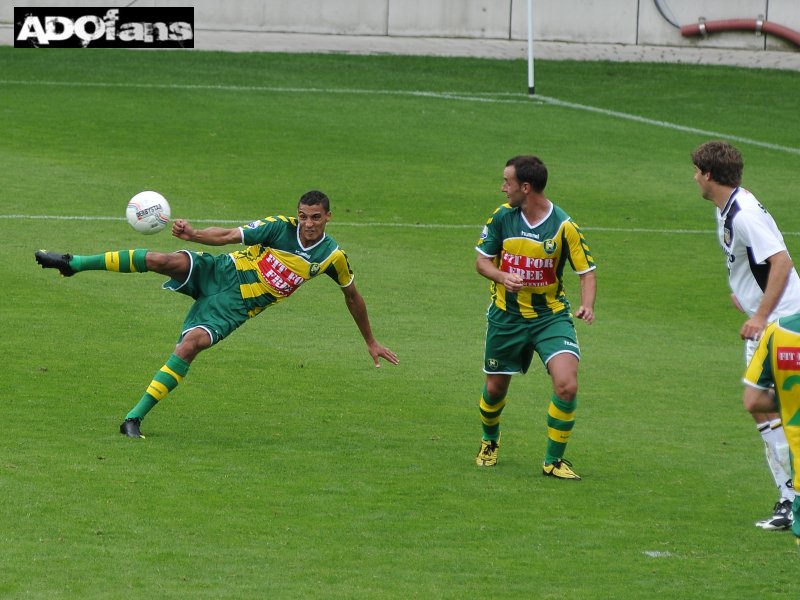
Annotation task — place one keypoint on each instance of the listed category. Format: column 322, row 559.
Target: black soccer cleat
column 781, row 519
column 130, row 427
column 54, row 260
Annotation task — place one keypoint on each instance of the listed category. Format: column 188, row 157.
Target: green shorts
column 510, row 346
column 213, row 283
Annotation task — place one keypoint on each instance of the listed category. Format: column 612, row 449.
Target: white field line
column 476, row 228
column 501, row 98
column 21, row 217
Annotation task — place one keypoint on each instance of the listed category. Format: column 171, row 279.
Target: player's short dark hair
column 313, row 198
column 721, row 160
column 531, row 170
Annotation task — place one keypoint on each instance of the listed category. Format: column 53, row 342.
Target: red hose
column 742, row 25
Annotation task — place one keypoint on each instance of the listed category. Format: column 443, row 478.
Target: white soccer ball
column 148, row 212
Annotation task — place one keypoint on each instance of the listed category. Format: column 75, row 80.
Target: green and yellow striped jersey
column 537, row 253
column 776, row 364
column 275, row 263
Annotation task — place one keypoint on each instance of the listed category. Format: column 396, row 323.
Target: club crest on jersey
column 726, row 236
column 549, row 246
column 492, row 364
column 313, row 269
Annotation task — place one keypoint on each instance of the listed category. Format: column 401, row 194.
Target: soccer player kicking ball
column 228, row 289
column 523, row 250
column 772, row 383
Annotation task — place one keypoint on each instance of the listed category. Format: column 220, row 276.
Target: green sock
column 490, row 415
column 165, row 380
column 144, row 406
column 122, row 261
column 560, row 421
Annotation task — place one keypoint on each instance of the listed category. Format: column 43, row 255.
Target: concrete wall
column 450, row 18
column 633, row 22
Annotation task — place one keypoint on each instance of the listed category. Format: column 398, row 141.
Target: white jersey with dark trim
column 749, row 236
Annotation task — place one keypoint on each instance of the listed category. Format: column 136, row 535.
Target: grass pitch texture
column 285, row 465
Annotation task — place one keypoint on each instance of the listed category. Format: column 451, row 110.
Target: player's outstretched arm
column 210, row 236
column 358, row 310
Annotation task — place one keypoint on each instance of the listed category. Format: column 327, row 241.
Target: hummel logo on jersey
column 529, row 235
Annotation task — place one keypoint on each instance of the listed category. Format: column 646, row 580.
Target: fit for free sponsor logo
column 788, row 358
column 278, row 276
column 93, row 27
column 535, row 272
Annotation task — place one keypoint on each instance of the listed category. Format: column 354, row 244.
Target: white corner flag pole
column 531, row 86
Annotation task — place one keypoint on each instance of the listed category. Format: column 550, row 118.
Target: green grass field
column 285, row 465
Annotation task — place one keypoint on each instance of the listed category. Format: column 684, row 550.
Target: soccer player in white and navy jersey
column 763, row 281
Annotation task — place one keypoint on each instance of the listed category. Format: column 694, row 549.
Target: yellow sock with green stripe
column 490, row 415
column 165, row 380
column 121, row 261
column 560, row 421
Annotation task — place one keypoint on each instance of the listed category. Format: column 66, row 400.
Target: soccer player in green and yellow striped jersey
column 281, row 254
column 772, row 381
column 523, row 250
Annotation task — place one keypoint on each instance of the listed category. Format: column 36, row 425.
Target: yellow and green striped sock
column 165, row 380
column 490, row 415
column 560, row 421
column 121, row 261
